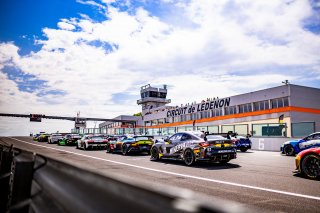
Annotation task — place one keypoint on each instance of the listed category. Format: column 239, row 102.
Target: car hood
column 292, row 142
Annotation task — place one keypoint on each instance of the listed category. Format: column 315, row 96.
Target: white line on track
column 181, row 175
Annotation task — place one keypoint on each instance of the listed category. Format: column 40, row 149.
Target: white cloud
column 225, row 48
column 65, row 26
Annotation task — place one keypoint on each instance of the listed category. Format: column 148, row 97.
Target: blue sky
column 60, row 56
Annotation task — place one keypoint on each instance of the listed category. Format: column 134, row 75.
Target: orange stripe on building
column 241, row 115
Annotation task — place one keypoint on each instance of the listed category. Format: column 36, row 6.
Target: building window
column 269, row 130
column 302, row 129
column 261, row 105
column 230, row 110
column 245, row 108
column 279, row 102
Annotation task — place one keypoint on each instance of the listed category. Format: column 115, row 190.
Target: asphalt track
column 257, row 179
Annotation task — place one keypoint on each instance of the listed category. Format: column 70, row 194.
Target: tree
column 137, row 114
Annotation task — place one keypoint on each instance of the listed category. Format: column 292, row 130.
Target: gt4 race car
column 128, row 145
column 69, row 139
column 35, row 137
column 295, row 146
column 242, row 143
column 43, row 137
column 91, row 141
column 308, row 163
column 194, row 146
column 54, row 138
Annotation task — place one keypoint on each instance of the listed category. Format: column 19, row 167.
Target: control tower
column 152, row 97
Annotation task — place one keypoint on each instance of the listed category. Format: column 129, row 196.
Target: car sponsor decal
column 180, row 147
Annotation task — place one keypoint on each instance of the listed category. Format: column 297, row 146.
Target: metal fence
column 34, row 183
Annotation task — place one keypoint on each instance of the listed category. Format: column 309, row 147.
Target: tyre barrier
column 36, row 183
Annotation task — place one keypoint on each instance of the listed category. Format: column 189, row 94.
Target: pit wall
column 268, row 143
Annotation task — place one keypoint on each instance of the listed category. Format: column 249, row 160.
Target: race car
column 128, row 145
column 242, row 143
column 35, row 137
column 112, row 141
column 92, row 141
column 192, row 146
column 308, row 163
column 69, row 139
column 293, row 147
column 54, row 138
column 43, row 137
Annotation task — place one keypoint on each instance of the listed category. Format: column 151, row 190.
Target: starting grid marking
column 181, row 175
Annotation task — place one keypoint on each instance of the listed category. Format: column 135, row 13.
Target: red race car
column 308, row 163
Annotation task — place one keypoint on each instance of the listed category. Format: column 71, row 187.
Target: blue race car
column 242, row 143
column 293, row 147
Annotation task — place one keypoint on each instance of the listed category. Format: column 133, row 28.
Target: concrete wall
column 268, row 144
column 304, row 97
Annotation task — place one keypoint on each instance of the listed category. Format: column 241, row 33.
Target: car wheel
column 189, row 158
column 288, row 150
column 154, row 154
column 108, row 149
column 310, row 166
column 124, row 149
column 243, row 149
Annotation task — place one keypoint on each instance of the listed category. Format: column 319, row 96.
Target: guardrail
column 35, row 183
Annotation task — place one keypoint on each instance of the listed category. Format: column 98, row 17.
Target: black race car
column 194, row 146
column 127, row 145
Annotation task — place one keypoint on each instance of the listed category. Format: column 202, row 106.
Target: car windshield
column 142, row 138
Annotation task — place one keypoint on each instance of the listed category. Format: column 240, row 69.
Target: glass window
column 269, row 130
column 230, row 110
column 227, row 128
column 181, row 128
column 202, row 128
column 280, row 102
column 213, row 129
column 302, row 129
column 256, row 106
column 185, row 137
column 241, row 129
column 286, row 101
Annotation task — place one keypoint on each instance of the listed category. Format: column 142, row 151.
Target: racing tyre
column 310, row 166
column 154, row 154
column 243, row 149
column 124, row 149
column 288, row 150
column 189, row 158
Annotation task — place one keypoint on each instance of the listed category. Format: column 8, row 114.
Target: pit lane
column 257, row 179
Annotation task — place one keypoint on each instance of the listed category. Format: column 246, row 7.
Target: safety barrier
column 35, row 183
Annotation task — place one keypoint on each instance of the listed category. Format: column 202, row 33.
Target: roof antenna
column 286, row 82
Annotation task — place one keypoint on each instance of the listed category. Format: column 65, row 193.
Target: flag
column 281, row 118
